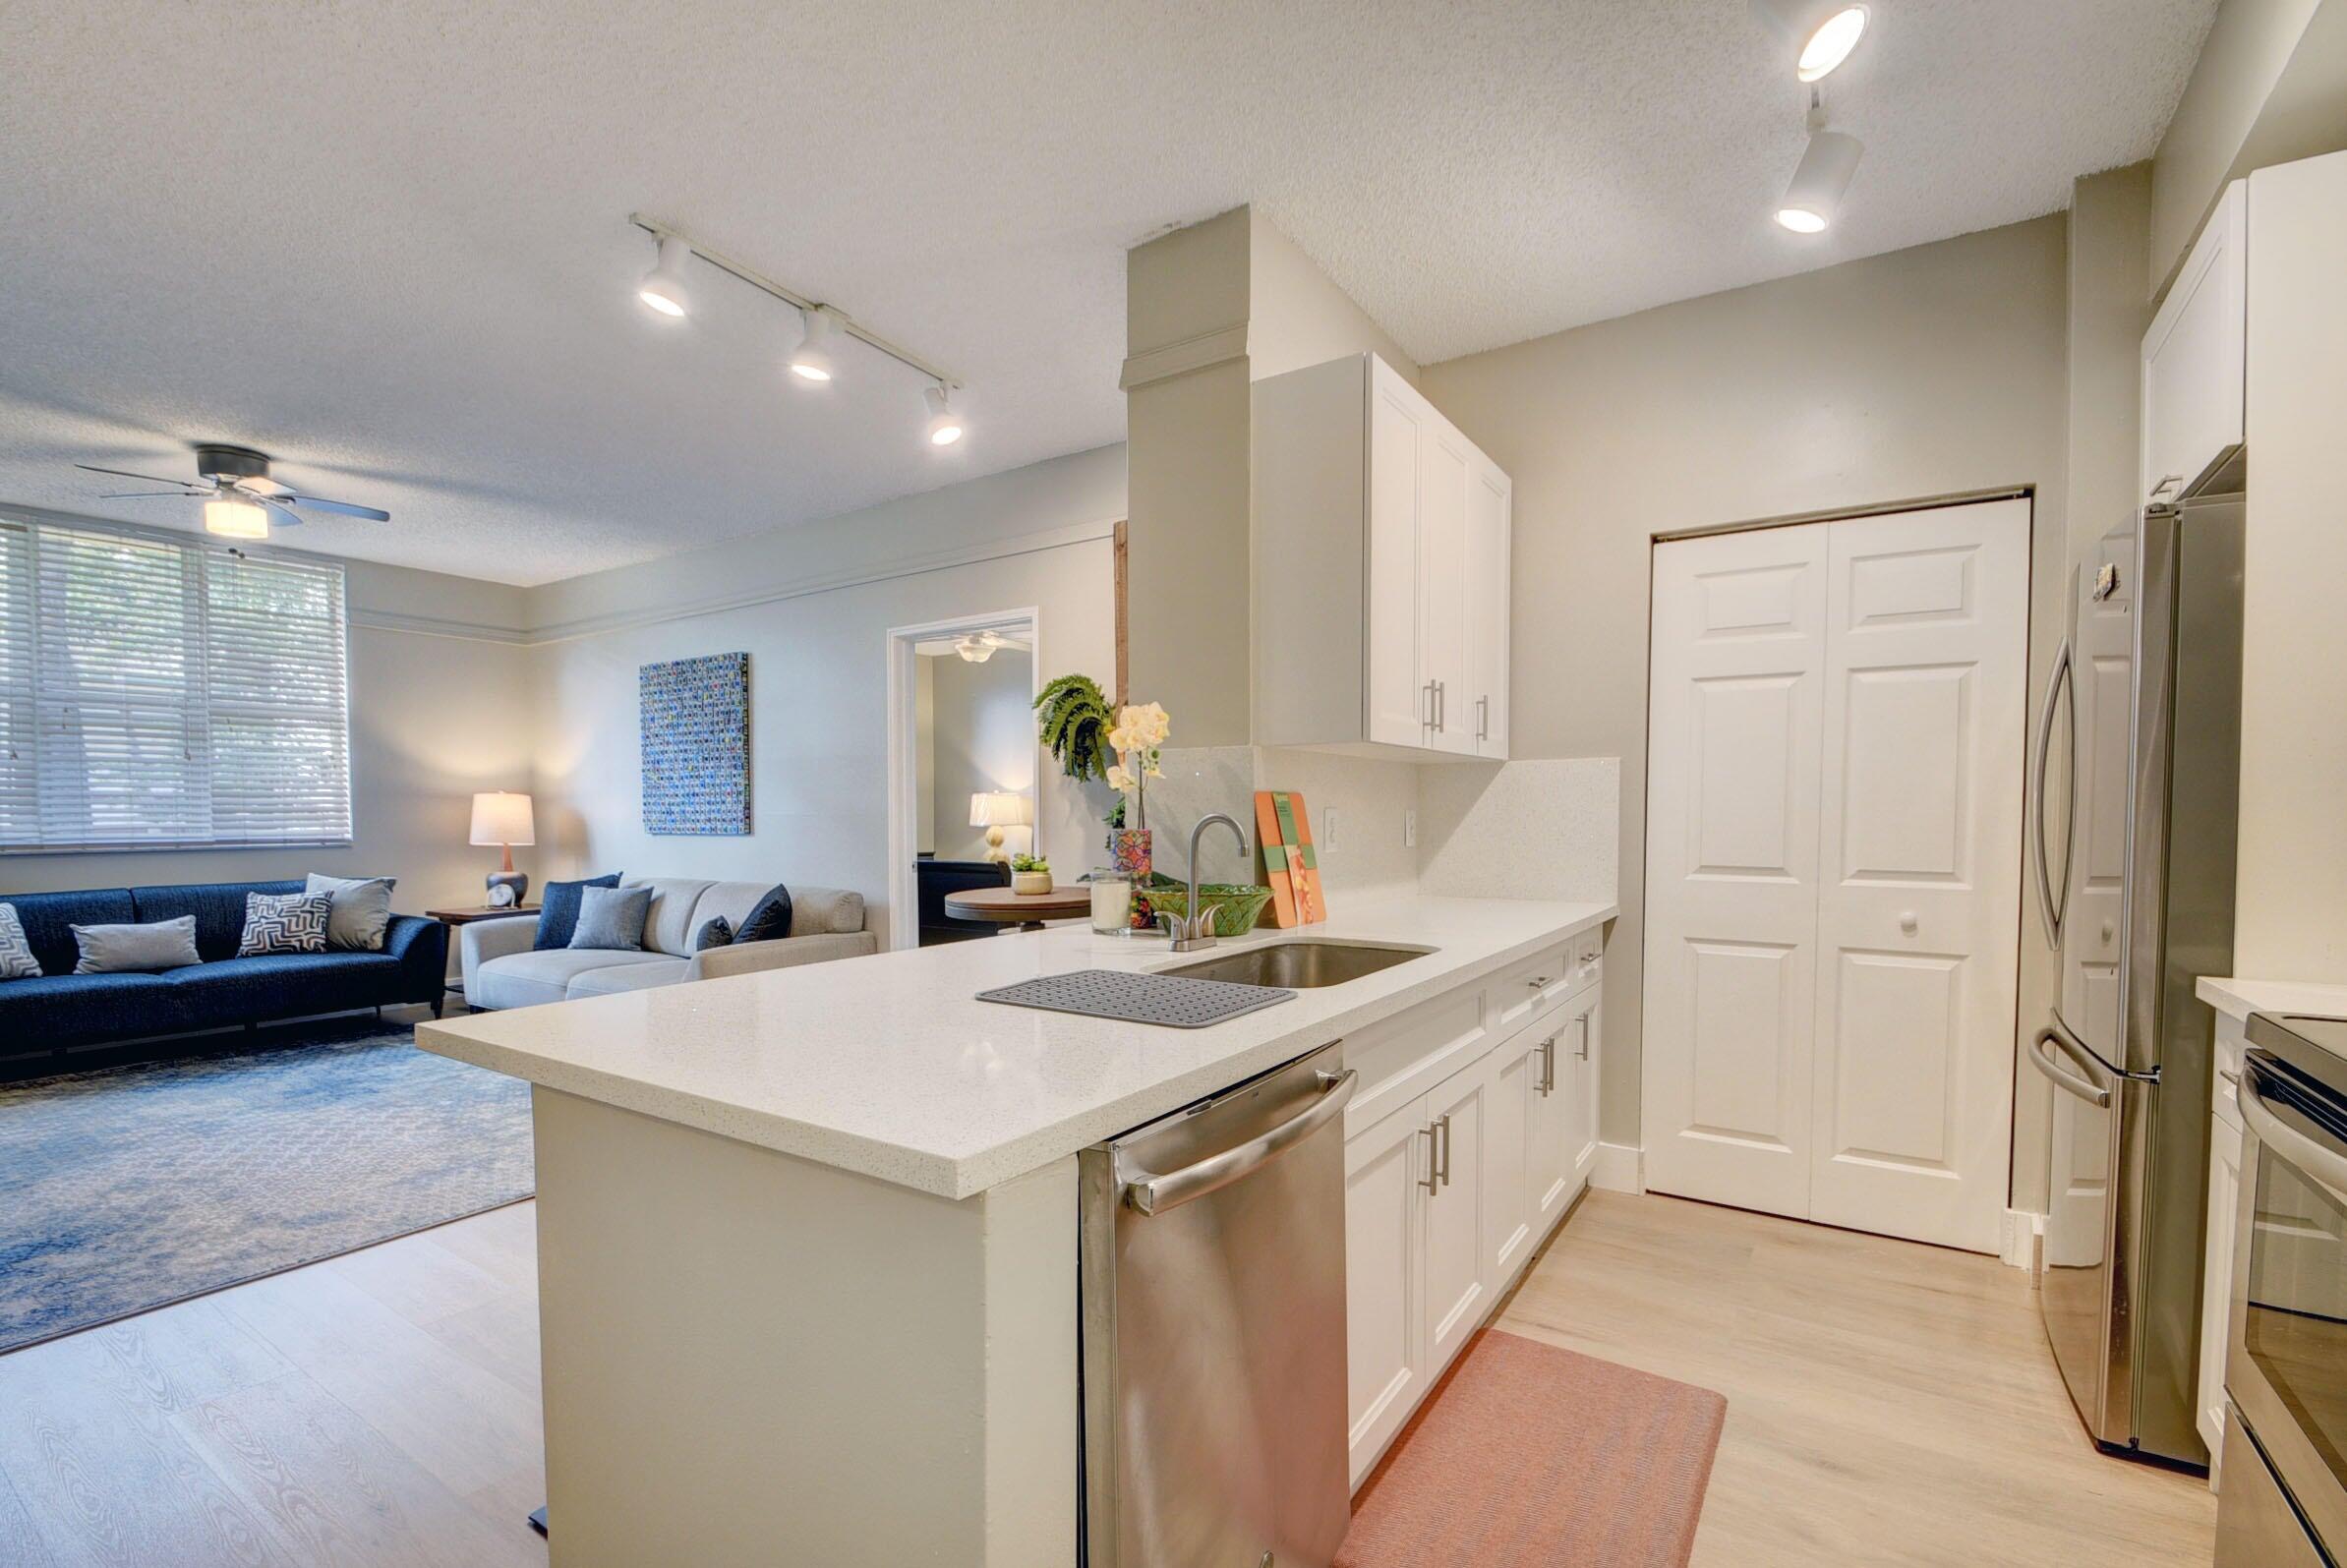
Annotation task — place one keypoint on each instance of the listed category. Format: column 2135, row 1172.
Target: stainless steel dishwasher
column 1213, row 1282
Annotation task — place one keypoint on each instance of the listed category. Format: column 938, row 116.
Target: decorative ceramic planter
column 1129, row 847
column 1030, row 883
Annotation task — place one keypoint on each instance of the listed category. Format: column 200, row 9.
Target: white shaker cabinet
column 1381, row 546
column 1387, row 1167
column 2196, row 355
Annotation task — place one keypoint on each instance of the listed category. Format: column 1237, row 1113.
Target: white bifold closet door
column 1832, row 880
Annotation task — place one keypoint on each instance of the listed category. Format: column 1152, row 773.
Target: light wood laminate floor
column 1888, row 1403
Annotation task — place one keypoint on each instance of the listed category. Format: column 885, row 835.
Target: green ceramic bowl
column 1237, row 905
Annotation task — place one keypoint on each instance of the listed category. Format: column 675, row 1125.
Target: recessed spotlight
column 663, row 287
column 945, row 426
column 1821, row 32
column 1815, row 193
column 812, row 360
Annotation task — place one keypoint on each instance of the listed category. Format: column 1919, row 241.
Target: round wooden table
column 1026, row 910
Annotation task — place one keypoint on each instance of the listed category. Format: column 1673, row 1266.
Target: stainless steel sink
column 1298, row 965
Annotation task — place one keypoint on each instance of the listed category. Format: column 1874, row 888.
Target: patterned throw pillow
column 16, row 961
column 285, row 922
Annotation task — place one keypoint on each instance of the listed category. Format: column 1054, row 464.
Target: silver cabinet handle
column 1154, row 1194
column 1426, row 708
column 1548, row 1067
column 1482, row 718
column 1583, row 1053
column 2229, row 1075
column 2042, row 1053
column 1538, row 981
column 2049, row 906
column 1441, row 706
column 1445, row 1124
column 1432, row 1179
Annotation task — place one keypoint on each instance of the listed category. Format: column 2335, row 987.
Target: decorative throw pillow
column 715, row 932
column 285, row 922
column 16, row 961
column 611, row 918
column 770, row 920
column 136, row 948
column 362, row 911
column 558, row 910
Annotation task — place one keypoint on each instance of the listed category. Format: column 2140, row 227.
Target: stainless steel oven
column 2284, row 1497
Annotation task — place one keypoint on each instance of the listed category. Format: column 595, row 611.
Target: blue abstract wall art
column 697, row 715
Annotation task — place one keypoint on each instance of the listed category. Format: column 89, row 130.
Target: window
column 158, row 694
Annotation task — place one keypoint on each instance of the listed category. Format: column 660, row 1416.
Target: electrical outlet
column 1327, row 826
column 1409, row 826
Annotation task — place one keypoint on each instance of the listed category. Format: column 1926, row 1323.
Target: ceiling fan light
column 663, row 288
column 945, row 426
column 236, row 517
column 1821, row 32
column 978, row 646
column 812, row 360
column 1815, row 194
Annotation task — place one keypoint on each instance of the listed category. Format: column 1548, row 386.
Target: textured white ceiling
column 389, row 244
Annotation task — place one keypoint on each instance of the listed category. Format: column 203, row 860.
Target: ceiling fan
column 239, row 496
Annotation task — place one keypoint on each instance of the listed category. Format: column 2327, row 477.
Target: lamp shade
column 1000, row 808
column 500, row 817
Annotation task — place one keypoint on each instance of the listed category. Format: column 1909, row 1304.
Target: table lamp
column 995, row 810
column 503, row 818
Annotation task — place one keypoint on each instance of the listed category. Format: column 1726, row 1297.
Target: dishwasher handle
column 1154, row 1194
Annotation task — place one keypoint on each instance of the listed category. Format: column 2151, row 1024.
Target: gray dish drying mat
column 1170, row 1000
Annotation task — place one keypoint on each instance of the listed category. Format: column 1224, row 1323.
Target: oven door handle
column 2317, row 1161
column 1154, row 1193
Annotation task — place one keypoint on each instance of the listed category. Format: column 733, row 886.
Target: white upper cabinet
column 2196, row 355
column 1381, row 549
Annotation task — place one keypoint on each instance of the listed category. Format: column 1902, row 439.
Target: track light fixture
column 663, row 287
column 1820, row 32
column 1827, row 164
column 812, row 361
column 826, row 328
column 945, row 426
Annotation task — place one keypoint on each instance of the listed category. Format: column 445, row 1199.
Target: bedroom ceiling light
column 976, row 647
column 233, row 516
column 663, row 287
column 945, row 426
column 1815, row 194
column 812, row 361
column 1821, row 32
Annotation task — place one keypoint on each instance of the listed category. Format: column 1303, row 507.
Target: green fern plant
column 1074, row 725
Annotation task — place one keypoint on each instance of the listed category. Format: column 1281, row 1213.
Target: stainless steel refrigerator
column 2138, row 770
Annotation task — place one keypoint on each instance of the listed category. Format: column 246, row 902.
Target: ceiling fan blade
column 286, row 516
column 317, row 504
column 151, row 478
column 142, row 495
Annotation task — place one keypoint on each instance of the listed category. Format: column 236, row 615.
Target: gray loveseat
column 502, row 969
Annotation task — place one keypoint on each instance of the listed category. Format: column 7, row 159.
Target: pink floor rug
column 1527, row 1454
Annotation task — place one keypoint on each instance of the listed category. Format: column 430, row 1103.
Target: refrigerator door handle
column 2063, row 1077
column 2049, row 906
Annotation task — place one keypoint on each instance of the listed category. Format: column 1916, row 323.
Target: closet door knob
column 1907, row 921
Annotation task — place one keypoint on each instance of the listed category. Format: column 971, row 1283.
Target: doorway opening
column 962, row 766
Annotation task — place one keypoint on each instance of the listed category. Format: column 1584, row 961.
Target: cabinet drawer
column 1517, row 992
column 1400, row 1058
column 1586, row 954
column 2224, row 1085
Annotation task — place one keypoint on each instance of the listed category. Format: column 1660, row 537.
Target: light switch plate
column 1327, row 826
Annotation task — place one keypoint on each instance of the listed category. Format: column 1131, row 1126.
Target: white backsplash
column 1542, row 829
column 1549, row 828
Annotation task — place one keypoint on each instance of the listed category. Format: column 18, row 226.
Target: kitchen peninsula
column 808, row 1238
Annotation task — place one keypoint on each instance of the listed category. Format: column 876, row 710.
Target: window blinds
column 161, row 694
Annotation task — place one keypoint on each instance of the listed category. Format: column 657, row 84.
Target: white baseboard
column 1618, row 1168
column 2017, row 1246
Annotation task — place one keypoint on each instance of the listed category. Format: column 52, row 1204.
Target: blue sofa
column 61, row 1009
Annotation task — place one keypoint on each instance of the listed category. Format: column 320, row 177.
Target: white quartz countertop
column 2237, row 998
column 890, row 1067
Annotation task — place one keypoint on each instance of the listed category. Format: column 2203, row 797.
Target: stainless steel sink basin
column 1298, row 965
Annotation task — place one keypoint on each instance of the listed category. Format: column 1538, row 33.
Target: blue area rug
column 129, row 1187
